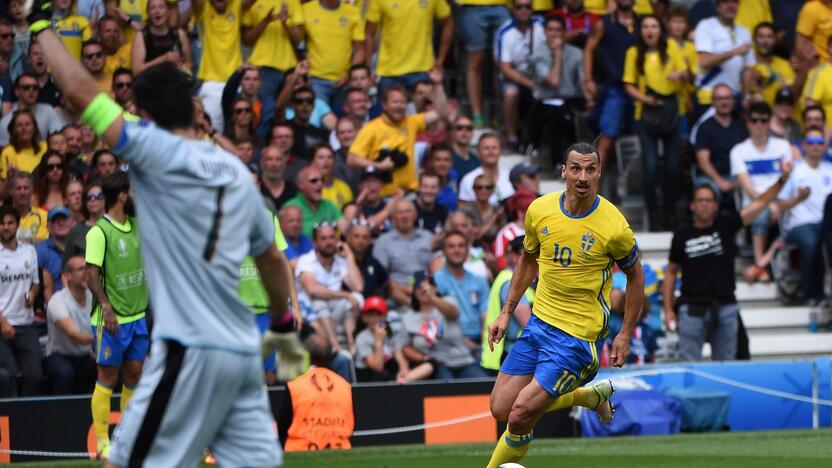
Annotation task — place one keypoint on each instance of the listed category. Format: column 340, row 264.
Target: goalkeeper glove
column 38, row 14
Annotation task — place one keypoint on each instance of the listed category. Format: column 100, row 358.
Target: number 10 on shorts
column 565, row 383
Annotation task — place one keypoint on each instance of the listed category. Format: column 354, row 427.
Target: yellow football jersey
column 575, row 257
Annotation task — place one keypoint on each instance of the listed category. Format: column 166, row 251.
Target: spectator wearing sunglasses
column 310, row 200
column 123, row 87
column 93, row 209
column 51, row 179
column 45, row 117
column 802, row 200
column 48, row 92
column 462, row 133
column 306, row 135
column 92, row 58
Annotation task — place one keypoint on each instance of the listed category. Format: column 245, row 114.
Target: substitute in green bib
column 252, row 292
column 118, row 284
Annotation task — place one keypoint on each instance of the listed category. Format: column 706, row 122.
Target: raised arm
column 760, row 203
column 74, row 81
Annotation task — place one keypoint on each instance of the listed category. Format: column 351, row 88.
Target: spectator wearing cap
column 462, row 133
column 383, row 141
column 772, row 73
column 51, row 251
column 404, row 250
column 518, row 204
column 431, row 215
column 515, row 41
column 756, row 163
column 359, row 238
column 69, row 362
column 489, row 148
column 310, row 200
column 525, row 175
column 369, row 205
column 330, row 285
column 440, row 162
column 291, row 223
column 274, row 185
column 374, row 347
column 782, row 124
column 470, row 292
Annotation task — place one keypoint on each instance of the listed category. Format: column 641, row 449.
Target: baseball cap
column 524, row 168
column 784, row 96
column 375, row 304
column 57, row 211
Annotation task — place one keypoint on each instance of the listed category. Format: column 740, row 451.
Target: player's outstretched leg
column 596, row 397
column 527, row 409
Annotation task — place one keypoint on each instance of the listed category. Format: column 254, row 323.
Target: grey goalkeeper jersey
column 200, row 216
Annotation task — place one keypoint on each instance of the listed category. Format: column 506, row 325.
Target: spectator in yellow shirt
column 334, row 41
column 71, row 28
column 395, row 131
column 92, row 57
column 32, row 219
column 405, row 51
column 772, row 73
column 818, row 89
column 335, row 190
column 814, row 26
column 273, row 29
column 25, row 146
column 116, row 52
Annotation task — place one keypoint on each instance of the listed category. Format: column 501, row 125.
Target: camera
column 398, row 157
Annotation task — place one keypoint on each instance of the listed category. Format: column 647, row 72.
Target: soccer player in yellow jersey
column 572, row 239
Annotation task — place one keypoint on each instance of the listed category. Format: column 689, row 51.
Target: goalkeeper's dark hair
column 164, row 92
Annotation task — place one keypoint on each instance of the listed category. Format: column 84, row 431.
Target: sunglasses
column 95, row 196
column 6, row 36
column 27, row 87
column 316, row 180
column 523, row 6
column 324, row 224
column 93, row 55
column 756, row 120
column 815, row 140
column 123, row 85
column 52, row 167
column 307, row 101
column 483, row 187
column 460, row 128
column 241, row 110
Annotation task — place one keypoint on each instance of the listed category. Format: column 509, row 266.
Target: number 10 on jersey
column 563, row 255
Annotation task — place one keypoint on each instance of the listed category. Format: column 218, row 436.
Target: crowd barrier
column 764, row 395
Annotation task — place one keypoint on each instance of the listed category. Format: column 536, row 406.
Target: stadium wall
column 63, row 424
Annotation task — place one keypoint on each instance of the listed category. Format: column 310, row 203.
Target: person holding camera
column 387, row 142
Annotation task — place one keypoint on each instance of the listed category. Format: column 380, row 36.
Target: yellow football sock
column 101, row 411
column 126, row 395
column 510, row 448
column 583, row 396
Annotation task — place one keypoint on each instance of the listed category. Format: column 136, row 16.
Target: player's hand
column 620, row 350
column 38, row 15
column 498, row 329
column 110, row 320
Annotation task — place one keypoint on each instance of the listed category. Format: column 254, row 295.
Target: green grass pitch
column 786, row 449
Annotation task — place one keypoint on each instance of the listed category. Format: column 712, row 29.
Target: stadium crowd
column 358, row 121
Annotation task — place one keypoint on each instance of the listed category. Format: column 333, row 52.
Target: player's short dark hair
column 113, row 185
column 581, row 147
column 8, row 210
column 164, row 92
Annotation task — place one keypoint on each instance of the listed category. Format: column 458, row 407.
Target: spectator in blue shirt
column 51, row 251
column 470, row 291
column 291, row 223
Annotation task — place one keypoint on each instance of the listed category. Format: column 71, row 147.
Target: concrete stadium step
column 786, row 345
column 756, row 292
column 775, row 318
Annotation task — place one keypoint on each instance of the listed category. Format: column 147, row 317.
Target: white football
column 511, row 465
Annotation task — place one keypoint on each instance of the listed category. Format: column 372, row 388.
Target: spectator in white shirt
column 489, row 149
column 69, row 361
column 756, row 162
column 802, row 199
column 330, row 285
column 19, row 284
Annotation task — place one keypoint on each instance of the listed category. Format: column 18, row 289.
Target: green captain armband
column 101, row 113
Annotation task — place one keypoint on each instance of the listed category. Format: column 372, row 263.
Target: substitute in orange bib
column 317, row 413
